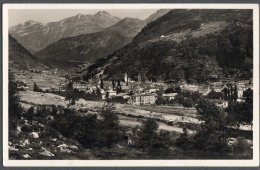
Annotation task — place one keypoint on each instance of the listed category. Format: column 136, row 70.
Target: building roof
column 121, row 94
column 143, row 94
column 124, row 87
column 169, row 95
column 111, row 91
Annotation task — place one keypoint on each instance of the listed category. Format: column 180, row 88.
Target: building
column 111, row 94
column 204, row 92
column 142, row 99
column 220, row 103
column 218, row 89
column 240, row 84
column 22, row 88
column 124, row 88
column 190, row 87
column 240, row 92
column 81, row 87
column 169, row 96
column 150, row 90
column 103, row 95
column 124, row 95
column 217, row 84
column 62, row 87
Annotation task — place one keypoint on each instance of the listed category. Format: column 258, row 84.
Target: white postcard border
column 133, row 163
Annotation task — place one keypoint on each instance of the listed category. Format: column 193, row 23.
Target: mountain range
column 81, row 38
column 191, row 45
column 35, row 36
column 68, row 52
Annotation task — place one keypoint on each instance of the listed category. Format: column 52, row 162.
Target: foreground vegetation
column 62, row 133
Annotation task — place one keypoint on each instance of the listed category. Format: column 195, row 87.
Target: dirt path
column 126, row 121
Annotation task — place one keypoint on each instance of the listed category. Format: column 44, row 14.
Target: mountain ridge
column 20, row 58
column 35, row 36
column 90, row 47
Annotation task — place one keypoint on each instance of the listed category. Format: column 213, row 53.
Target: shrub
column 242, row 149
column 148, row 138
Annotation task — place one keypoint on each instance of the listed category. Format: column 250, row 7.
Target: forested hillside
column 192, row 45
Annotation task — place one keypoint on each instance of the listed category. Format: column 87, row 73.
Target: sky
column 17, row 16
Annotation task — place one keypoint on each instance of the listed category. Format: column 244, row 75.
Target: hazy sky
column 17, row 16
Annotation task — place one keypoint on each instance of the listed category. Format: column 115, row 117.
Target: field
column 176, row 109
column 206, row 28
column 42, row 80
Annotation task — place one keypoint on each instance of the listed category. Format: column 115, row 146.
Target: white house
column 111, row 94
column 142, row 99
column 169, row 96
column 221, row 103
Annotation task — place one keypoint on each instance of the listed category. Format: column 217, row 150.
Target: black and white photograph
column 123, row 83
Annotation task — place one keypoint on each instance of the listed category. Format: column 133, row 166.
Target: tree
column 110, row 126
column 187, row 103
column 131, row 92
column 178, row 89
column 179, row 98
column 235, row 94
column 101, row 84
column 98, row 91
column 118, row 88
column 184, row 140
column 211, row 133
column 113, row 84
column 147, row 136
column 169, row 90
column 231, row 93
column 107, row 96
column 209, row 111
column 71, row 94
column 228, row 93
column 241, row 112
column 225, row 93
column 241, row 148
column 36, row 88
column 160, row 101
column 215, row 95
column 14, row 107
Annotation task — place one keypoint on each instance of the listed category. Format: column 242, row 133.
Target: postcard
column 119, row 85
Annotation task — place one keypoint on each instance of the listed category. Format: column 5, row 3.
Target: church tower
column 126, row 78
column 139, row 78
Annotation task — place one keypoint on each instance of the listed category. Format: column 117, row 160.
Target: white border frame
column 131, row 163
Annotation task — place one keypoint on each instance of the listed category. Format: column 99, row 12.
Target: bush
column 89, row 130
column 184, row 140
column 242, row 149
column 148, row 138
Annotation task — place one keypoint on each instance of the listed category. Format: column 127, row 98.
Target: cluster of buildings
column 140, row 93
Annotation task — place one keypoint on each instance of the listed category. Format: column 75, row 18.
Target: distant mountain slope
column 35, row 36
column 191, row 45
column 90, row 47
column 20, row 58
column 157, row 14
